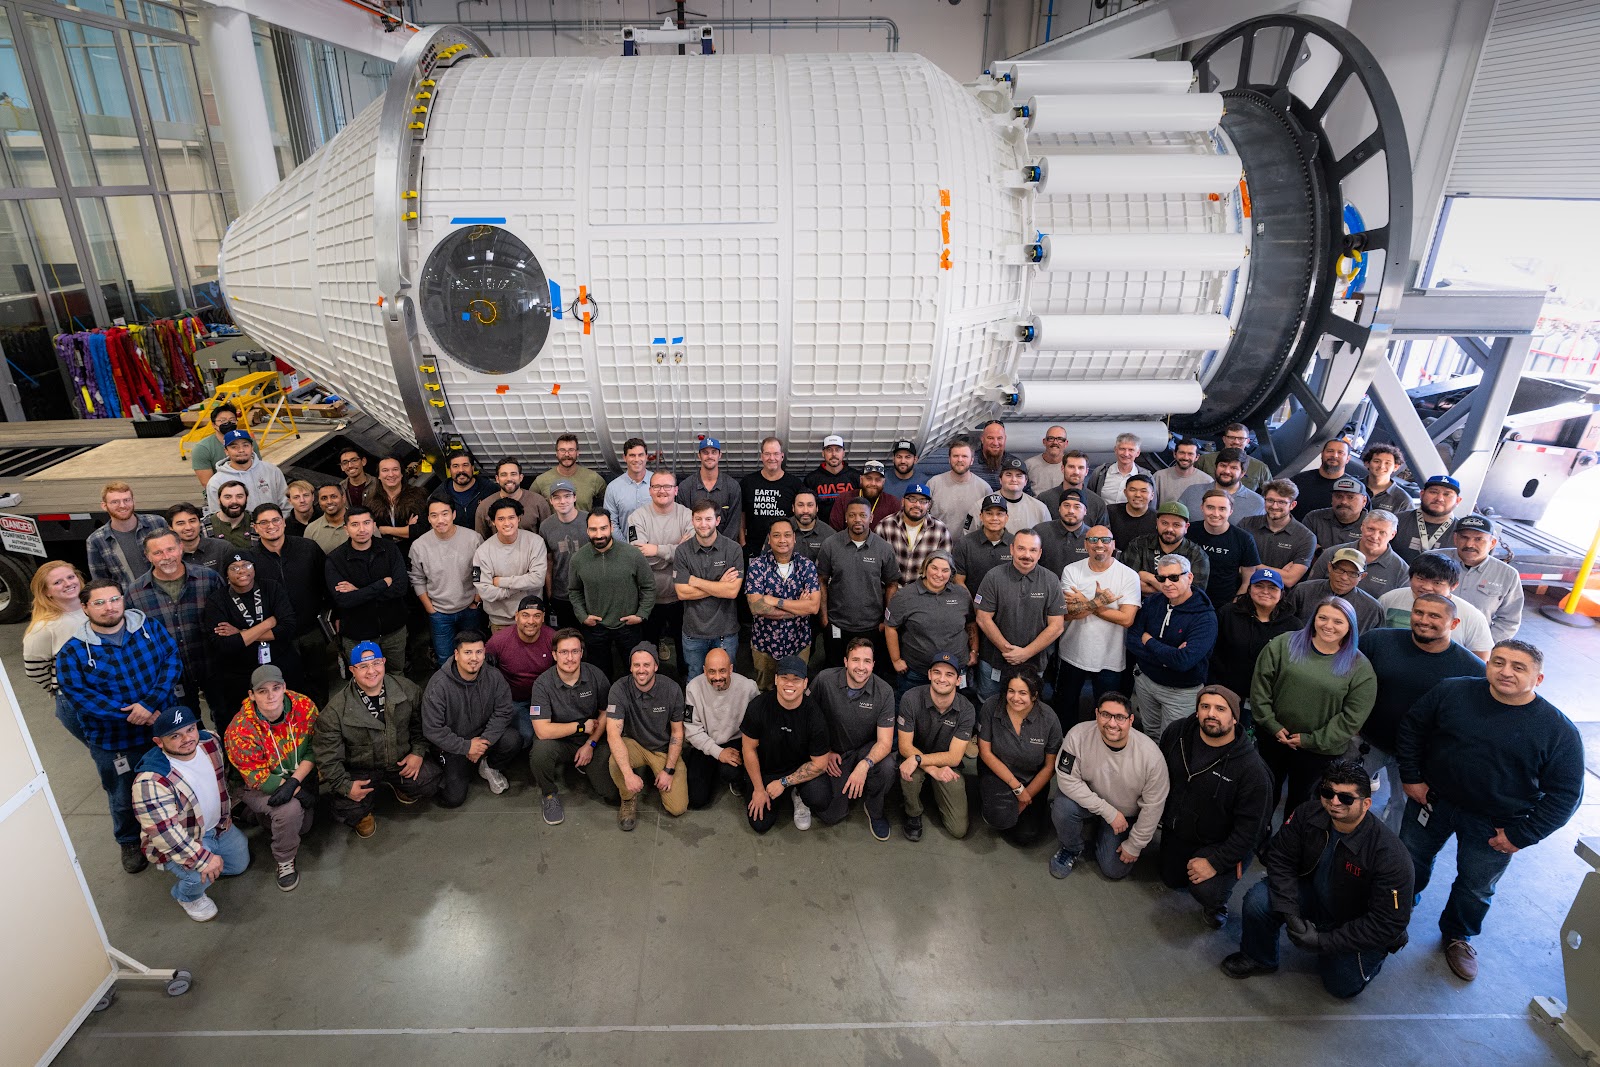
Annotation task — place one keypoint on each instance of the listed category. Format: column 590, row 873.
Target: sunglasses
column 1347, row 799
column 1098, row 540
column 1165, row 577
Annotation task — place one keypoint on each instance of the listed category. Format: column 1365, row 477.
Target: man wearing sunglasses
column 1170, row 643
column 1340, row 881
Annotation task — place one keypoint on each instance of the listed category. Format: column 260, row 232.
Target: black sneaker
column 288, row 877
column 1215, row 918
column 133, row 860
column 912, row 828
column 1241, row 965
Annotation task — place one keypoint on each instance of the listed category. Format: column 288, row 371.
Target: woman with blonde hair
column 57, row 615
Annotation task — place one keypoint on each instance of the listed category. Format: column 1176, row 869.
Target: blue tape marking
column 473, row 220
column 555, row 300
column 466, row 316
column 658, row 340
column 677, row 340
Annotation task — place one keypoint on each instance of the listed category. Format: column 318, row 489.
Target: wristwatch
column 1019, row 790
column 784, row 781
column 918, row 758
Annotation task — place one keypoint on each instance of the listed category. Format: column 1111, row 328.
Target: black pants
column 814, row 793
column 459, row 771
column 707, row 776
column 1023, row 828
column 558, row 613
column 423, row 786
column 1296, row 768
column 1210, row 894
column 879, row 779
column 1067, row 691
column 547, row 758
column 666, row 620
column 880, row 650
column 601, row 644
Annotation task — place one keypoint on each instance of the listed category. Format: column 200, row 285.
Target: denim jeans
column 988, row 680
column 230, row 845
column 908, row 681
column 1344, row 974
column 1392, row 807
column 444, row 625
column 1076, row 826
column 67, row 716
column 695, row 650
column 1478, row 867
column 119, row 788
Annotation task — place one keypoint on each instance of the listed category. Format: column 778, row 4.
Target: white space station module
column 504, row 249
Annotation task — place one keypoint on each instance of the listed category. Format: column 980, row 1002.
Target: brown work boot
column 367, row 826
column 628, row 814
column 401, row 795
column 1462, row 958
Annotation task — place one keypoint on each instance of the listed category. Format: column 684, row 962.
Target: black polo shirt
column 976, row 556
column 854, row 721
column 784, row 738
column 856, row 578
column 552, row 700
column 1059, row 546
column 808, row 543
column 1021, row 605
column 929, row 622
column 710, row 616
column 932, row 730
column 1295, row 543
column 646, row 717
column 1022, row 753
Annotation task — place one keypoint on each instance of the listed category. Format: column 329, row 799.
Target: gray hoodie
column 263, row 480
column 455, row 711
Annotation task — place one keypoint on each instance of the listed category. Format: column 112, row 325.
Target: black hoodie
column 1241, row 637
column 1222, row 803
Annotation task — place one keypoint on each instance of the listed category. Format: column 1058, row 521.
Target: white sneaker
column 497, row 781
column 202, row 909
column 802, row 814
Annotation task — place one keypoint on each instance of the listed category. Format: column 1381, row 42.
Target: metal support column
column 241, row 102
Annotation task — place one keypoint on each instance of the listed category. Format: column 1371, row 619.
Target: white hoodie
column 264, row 481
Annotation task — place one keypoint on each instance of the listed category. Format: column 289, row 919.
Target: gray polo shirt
column 1494, row 587
column 929, row 622
column 1416, row 536
column 1329, row 531
column 1094, row 505
column 646, row 717
column 1303, row 599
column 1024, row 754
column 809, row 543
column 1386, row 572
column 933, row 730
column 1020, row 604
column 552, row 700
column 976, row 556
column 1060, row 546
column 1295, row 543
column 710, row 616
column 726, row 495
column 856, row 577
column 853, row 720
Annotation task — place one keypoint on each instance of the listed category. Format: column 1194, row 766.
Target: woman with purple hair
column 1311, row 692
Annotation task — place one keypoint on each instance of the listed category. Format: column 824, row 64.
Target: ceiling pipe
column 890, row 29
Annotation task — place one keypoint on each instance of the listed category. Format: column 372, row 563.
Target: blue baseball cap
column 1266, row 574
column 791, row 665
column 1444, row 480
column 365, row 652
column 917, row 489
column 947, row 659
column 710, row 442
column 234, row 435
column 171, row 720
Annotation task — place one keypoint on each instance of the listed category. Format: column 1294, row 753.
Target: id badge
column 992, row 672
column 961, row 680
column 177, row 690
column 121, row 764
column 263, row 653
column 1424, row 813
column 837, row 633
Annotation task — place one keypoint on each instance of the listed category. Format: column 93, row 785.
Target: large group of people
column 838, row 637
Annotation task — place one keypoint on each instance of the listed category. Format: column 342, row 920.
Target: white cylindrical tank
column 729, row 245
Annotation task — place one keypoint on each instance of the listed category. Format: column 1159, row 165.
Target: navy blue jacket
column 1192, row 625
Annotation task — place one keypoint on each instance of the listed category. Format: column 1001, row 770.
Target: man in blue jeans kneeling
column 180, row 797
column 1341, row 883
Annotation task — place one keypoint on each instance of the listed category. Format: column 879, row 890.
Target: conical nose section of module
column 300, row 274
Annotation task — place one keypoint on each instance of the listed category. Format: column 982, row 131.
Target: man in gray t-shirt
column 644, row 728
column 708, row 572
column 564, row 532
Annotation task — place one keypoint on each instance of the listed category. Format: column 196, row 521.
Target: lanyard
column 260, row 612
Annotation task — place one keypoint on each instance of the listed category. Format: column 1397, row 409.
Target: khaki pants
column 767, row 667
column 675, row 801
column 951, row 797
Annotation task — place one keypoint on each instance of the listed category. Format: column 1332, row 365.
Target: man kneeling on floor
column 1107, row 773
column 466, row 715
column 786, row 749
column 180, row 798
column 269, row 741
column 370, row 734
column 644, row 727
column 935, row 723
column 1339, row 880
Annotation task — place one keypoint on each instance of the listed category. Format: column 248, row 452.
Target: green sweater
column 1307, row 698
column 611, row 584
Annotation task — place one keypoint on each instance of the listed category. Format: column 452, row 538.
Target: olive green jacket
column 348, row 739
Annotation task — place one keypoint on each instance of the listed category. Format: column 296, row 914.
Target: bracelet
column 595, row 743
column 869, row 762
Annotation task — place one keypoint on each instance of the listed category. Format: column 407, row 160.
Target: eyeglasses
column 278, row 521
column 105, row 603
column 1098, row 540
column 1347, row 799
column 1052, row 439
column 1167, row 577
column 1110, row 717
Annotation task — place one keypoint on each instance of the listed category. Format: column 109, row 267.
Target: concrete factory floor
column 485, row 936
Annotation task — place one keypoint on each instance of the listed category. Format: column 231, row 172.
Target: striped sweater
column 40, row 645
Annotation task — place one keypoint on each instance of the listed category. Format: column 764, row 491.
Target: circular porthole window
column 486, row 300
